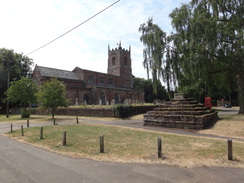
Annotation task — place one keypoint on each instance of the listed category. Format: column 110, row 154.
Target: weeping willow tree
column 154, row 40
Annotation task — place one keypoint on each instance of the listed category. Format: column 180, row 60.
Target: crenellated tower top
column 119, row 63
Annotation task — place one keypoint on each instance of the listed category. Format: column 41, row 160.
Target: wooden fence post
column 22, row 130
column 229, row 142
column 41, row 133
column 102, row 144
column 11, row 128
column 64, row 138
column 28, row 123
column 159, row 147
column 77, row 120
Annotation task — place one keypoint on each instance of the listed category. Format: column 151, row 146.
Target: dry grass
column 16, row 119
column 133, row 145
column 230, row 126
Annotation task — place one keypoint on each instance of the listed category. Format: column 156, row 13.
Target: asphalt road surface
column 23, row 163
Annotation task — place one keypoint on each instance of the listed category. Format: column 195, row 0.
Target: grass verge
column 16, row 119
column 133, row 145
column 230, row 126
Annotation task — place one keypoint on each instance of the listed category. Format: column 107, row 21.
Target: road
column 23, row 163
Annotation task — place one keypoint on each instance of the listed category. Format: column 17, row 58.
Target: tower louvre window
column 125, row 61
column 113, row 60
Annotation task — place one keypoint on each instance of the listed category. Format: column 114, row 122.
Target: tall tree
column 153, row 39
column 52, row 95
column 209, row 39
column 159, row 55
column 17, row 65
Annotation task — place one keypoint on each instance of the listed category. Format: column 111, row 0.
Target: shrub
column 25, row 113
column 122, row 110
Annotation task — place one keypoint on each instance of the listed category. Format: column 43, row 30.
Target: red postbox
column 208, row 102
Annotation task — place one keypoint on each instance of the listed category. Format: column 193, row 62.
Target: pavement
column 24, row 163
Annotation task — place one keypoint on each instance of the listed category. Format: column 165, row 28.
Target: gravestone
column 126, row 102
column 130, row 102
column 113, row 102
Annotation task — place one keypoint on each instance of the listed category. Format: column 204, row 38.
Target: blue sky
column 28, row 24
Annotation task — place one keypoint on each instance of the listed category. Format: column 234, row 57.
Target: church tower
column 119, row 64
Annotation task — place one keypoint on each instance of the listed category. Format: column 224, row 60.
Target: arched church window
column 91, row 79
column 86, row 98
column 102, row 80
column 102, row 99
column 117, row 98
column 110, row 81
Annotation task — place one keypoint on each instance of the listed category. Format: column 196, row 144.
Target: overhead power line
column 73, row 28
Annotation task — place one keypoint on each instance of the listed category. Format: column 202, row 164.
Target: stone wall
column 97, row 112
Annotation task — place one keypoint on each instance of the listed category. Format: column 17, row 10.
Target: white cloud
column 27, row 25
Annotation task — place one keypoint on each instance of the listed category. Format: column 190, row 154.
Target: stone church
column 91, row 87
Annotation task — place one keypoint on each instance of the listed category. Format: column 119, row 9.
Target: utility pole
column 8, row 78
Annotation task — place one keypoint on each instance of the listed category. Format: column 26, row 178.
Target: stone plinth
column 179, row 96
column 180, row 112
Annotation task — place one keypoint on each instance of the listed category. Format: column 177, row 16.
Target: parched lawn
column 47, row 119
column 16, row 119
column 230, row 126
column 133, row 145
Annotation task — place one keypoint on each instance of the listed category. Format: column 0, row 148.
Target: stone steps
column 182, row 106
column 181, row 109
column 172, row 118
column 176, row 124
column 180, row 121
column 180, row 112
column 180, row 102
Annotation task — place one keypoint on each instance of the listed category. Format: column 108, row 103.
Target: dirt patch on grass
column 137, row 117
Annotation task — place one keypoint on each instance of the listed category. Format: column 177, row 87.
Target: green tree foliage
column 204, row 55
column 209, row 40
column 153, row 39
column 22, row 92
column 52, row 95
column 147, row 87
column 18, row 65
column 159, row 59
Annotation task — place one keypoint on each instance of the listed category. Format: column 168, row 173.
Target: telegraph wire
column 73, row 28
